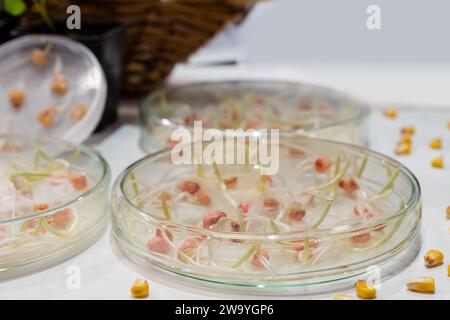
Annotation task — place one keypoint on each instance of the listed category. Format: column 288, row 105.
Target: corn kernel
column 422, row 285
column 433, row 258
column 390, row 112
column 403, row 149
column 437, row 162
column 406, row 139
column 340, row 296
column 16, row 98
column 447, row 212
column 39, row 57
column 408, row 130
column 78, row 113
column 448, row 125
column 140, row 289
column 436, row 143
column 448, row 270
column 365, row 290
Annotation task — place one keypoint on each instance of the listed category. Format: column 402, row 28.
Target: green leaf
column 14, row 7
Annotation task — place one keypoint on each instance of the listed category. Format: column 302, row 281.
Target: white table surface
column 107, row 274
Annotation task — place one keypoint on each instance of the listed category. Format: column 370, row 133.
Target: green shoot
column 325, row 211
column 54, row 231
column 136, row 190
column 362, row 166
column 165, row 206
column 31, row 176
column 338, row 164
column 250, row 252
column 388, row 168
column 335, row 179
column 389, row 235
column 305, row 254
column 390, row 183
column 274, row 227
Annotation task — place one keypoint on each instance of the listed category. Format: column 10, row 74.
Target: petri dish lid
column 74, row 64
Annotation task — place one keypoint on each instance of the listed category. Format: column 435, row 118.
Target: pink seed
column 3, row 232
column 312, row 245
column 78, row 181
column 11, row 148
column 296, row 211
column 271, row 204
column 212, row 218
column 172, row 143
column 244, row 206
column 235, row 226
column 188, row 244
column 189, row 186
column 61, row 219
column 304, row 105
column 362, row 238
column 322, row 164
column 158, row 243
column 256, row 261
column 349, row 185
column 267, row 181
column 203, row 198
column 187, row 249
column 230, row 182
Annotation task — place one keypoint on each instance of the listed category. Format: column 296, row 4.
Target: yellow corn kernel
column 447, row 212
column 365, row 290
column 408, row 130
column 433, row 258
column 341, row 296
column 390, row 112
column 448, row 270
column 436, row 143
column 437, row 162
column 140, row 289
column 405, row 139
column 422, row 285
column 403, row 148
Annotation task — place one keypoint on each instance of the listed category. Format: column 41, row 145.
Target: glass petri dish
column 331, row 213
column 293, row 108
column 53, row 201
column 50, row 86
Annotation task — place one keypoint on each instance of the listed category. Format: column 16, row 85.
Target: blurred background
column 407, row 62
column 145, row 44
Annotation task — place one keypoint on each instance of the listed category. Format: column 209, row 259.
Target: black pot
column 105, row 40
column 7, row 23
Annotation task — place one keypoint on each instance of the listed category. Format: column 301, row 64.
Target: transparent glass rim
column 411, row 203
column 92, row 153
column 305, row 279
column 361, row 109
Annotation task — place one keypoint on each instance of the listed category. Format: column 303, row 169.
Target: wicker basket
column 159, row 33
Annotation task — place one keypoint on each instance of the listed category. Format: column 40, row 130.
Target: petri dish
column 293, row 108
column 50, row 86
column 53, row 201
column 330, row 214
